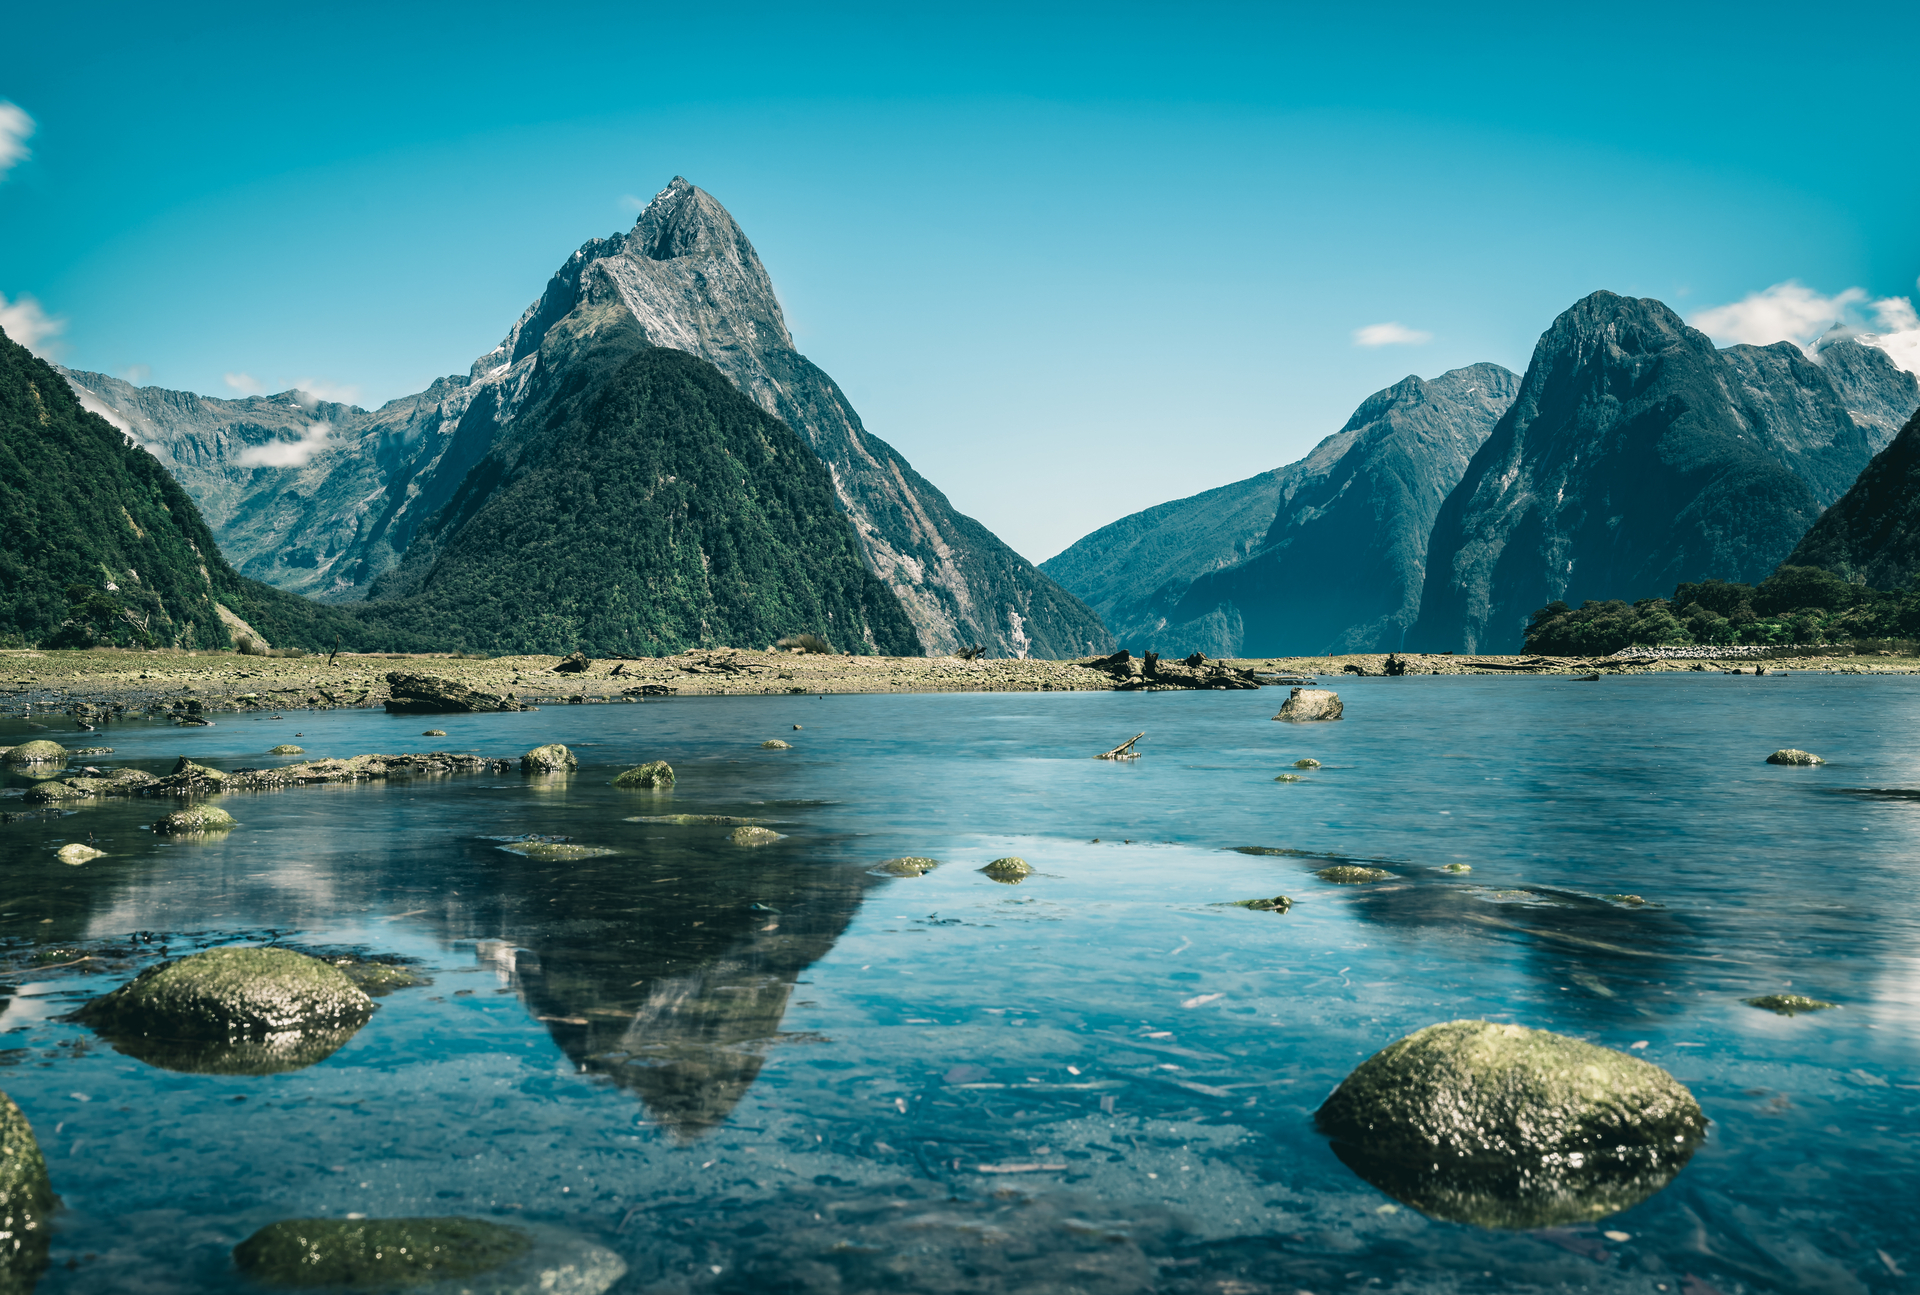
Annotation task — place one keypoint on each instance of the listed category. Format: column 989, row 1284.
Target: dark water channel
column 765, row 1069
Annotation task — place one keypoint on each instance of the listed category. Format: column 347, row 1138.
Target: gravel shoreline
column 179, row 683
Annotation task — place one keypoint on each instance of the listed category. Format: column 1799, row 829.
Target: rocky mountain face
column 1325, row 555
column 1871, row 535
column 687, row 276
column 103, row 546
column 1637, row 456
column 644, row 505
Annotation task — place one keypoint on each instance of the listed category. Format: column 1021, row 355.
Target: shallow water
column 751, row 1068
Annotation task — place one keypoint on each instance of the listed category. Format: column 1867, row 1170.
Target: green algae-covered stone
column 377, row 1254
column 53, row 791
column 26, row 1201
column 654, row 773
column 1010, row 870
column 39, row 751
column 287, row 748
column 1788, row 1004
column 1508, row 1127
column 201, row 818
column 754, row 836
column 551, row 758
column 908, row 866
column 1347, row 874
column 232, row 1011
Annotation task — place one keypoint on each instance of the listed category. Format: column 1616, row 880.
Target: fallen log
column 1124, row 751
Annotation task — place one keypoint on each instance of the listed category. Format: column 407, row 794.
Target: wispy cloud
column 1393, row 333
column 311, row 391
column 244, row 383
column 137, row 373
column 630, row 203
column 1793, row 312
column 26, row 323
column 287, row 454
column 15, row 126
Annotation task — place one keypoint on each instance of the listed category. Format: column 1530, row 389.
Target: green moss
column 53, row 792
column 754, row 836
column 1010, row 870
column 1503, row 1126
column 1306, row 764
column 378, row 979
column 201, row 818
column 654, row 773
column 906, row 866
column 39, row 751
column 26, row 1201
column 377, row 1254
column 1788, row 1004
column 1349, row 875
column 287, row 748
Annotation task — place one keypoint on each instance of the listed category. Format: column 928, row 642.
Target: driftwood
column 1124, row 751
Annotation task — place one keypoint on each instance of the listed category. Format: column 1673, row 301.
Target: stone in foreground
column 1306, row 705
column 471, row 1256
column 232, row 1011
column 425, row 694
column 1788, row 1004
column 551, row 758
column 201, row 818
column 1506, row 1127
column 654, row 773
column 754, row 836
column 1010, row 870
column 26, row 1199
column 40, row 751
column 1792, row 755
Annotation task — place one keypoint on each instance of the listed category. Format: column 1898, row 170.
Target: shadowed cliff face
column 1873, row 533
column 1326, row 554
column 1636, row 456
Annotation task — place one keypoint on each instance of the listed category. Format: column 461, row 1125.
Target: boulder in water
column 1347, row 874
column 55, row 790
column 775, row 744
column 654, row 773
column 1010, row 870
column 75, row 853
column 1306, row 705
column 1788, row 1004
column 754, row 836
column 39, row 751
column 1791, row 755
column 26, row 1201
column 201, row 818
column 286, row 748
column 1503, row 1126
column 907, row 866
column 551, row 758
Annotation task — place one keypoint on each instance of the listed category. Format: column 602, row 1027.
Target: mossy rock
column 377, row 979
column 286, row 748
column 1791, row 755
column 53, row 792
column 1277, row 904
column 26, row 1202
column 121, row 782
column 1347, row 874
column 1458, row 869
column 1506, row 1127
column 378, row 1254
column 232, row 1011
column 200, row 818
column 556, row 851
column 1010, row 870
column 1288, row 777
column 907, row 866
column 654, row 773
column 40, row 751
column 1308, row 763
column 186, row 766
column 775, row 744
column 551, row 758
column 434, row 732
column 1788, row 1004
column 754, row 836
column 75, row 853
column 691, row 820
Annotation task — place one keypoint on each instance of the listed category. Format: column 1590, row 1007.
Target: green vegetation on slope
column 1795, row 605
column 102, row 547
column 645, row 507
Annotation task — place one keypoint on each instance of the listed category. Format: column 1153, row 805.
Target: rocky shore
column 197, row 687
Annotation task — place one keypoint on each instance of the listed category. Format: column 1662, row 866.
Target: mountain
column 644, row 505
column 1636, row 456
column 1324, row 555
column 104, row 547
column 1871, row 536
column 687, row 276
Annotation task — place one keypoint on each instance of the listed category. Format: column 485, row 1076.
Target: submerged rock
column 232, row 1011
column 1009, row 870
column 551, row 758
column 425, row 694
column 75, row 853
column 201, row 818
column 1347, row 874
column 1456, row 867
column 288, row 748
column 1278, row 904
column 654, row 773
column 1289, row 777
column 1503, row 1126
column 1791, row 755
column 53, row 792
column 1308, row 763
column 26, row 1201
column 470, row 1256
column 754, row 836
column 430, row 732
column 1306, row 705
column 1788, row 1004
column 906, row 866
column 775, row 744
column 39, row 751
column 555, row 850
column 688, row 820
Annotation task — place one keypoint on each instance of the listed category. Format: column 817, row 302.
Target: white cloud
column 311, row 391
column 94, row 405
column 1390, row 334
column 287, row 454
column 244, row 383
column 15, row 126
column 29, row 325
column 1793, row 312
column 137, row 373
column 632, row 203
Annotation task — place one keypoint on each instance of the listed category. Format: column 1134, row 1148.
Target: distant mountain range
column 1632, row 455
column 1871, row 536
column 332, row 525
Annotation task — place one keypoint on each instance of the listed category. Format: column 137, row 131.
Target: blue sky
column 1072, row 260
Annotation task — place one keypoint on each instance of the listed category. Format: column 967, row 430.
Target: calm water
column 766, row 1069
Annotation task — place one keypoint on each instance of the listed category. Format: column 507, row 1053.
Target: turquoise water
column 766, row 1068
